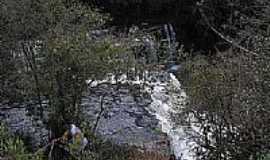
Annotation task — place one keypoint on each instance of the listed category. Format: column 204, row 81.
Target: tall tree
column 53, row 41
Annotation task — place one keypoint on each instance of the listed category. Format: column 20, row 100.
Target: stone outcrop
column 124, row 119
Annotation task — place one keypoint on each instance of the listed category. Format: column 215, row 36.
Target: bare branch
column 102, row 109
column 228, row 40
column 51, row 150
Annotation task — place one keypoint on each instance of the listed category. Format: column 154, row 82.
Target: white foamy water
column 167, row 99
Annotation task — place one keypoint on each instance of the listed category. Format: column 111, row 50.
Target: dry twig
column 228, row 40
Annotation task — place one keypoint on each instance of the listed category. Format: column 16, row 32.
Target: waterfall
column 173, row 34
column 173, row 43
column 168, row 98
column 171, row 40
column 168, row 36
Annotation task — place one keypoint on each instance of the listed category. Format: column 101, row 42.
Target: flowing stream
column 167, row 99
column 171, row 40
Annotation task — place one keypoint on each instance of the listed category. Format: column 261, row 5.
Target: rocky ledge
column 122, row 118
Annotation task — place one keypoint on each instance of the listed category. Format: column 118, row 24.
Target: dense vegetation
column 49, row 48
column 229, row 92
column 48, row 51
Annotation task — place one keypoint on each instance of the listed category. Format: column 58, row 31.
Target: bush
column 13, row 148
column 227, row 99
column 229, row 91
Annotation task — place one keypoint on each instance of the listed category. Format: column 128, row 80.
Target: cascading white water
column 169, row 98
column 171, row 40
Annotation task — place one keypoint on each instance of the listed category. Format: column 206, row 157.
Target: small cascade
column 168, row 98
column 173, row 43
column 171, row 40
column 173, row 34
column 168, row 36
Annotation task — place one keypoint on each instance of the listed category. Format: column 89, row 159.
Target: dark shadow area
column 182, row 14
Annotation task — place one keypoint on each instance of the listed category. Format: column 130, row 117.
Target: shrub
column 13, row 148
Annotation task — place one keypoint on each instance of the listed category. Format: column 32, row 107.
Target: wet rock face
column 125, row 119
column 19, row 122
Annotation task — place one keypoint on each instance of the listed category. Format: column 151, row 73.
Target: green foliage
column 264, row 157
column 51, row 45
column 105, row 150
column 229, row 91
column 100, row 149
column 227, row 98
column 228, row 101
column 69, row 59
column 13, row 147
